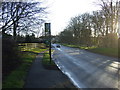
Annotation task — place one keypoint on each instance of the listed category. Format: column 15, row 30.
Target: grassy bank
column 104, row 51
column 16, row 79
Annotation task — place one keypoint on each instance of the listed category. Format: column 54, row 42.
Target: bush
column 10, row 55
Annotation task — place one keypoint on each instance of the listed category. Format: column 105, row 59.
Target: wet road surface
column 86, row 69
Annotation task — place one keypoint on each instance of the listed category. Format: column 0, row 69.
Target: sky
column 61, row 11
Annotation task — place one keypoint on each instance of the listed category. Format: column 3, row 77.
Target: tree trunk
column 14, row 31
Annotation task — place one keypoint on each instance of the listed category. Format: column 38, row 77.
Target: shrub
column 10, row 55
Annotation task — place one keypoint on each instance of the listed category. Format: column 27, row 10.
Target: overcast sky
column 61, row 11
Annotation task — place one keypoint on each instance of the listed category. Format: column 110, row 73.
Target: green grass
column 46, row 59
column 89, row 47
column 81, row 47
column 16, row 79
column 75, row 46
column 32, row 47
column 105, row 51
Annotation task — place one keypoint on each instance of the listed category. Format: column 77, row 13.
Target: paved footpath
column 39, row 77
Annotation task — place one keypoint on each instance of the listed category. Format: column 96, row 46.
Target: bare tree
column 110, row 11
column 19, row 15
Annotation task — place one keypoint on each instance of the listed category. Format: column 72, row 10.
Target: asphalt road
column 86, row 69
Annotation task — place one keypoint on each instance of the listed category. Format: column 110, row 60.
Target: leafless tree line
column 21, row 17
column 99, row 28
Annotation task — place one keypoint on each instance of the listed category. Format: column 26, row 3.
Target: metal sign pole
column 50, row 42
column 48, row 31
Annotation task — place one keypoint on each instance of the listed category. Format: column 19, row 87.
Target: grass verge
column 46, row 62
column 16, row 79
column 104, row 51
column 74, row 46
column 81, row 47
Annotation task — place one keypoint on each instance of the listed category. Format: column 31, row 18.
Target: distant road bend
column 86, row 69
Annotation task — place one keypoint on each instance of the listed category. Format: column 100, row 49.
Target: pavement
column 87, row 69
column 39, row 77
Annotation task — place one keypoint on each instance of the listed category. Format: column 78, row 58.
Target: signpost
column 48, row 37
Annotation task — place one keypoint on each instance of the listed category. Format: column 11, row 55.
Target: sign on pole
column 47, row 27
column 48, row 37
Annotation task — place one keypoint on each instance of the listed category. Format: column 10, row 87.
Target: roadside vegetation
column 47, row 63
column 46, row 59
column 96, row 31
column 106, row 51
column 100, row 50
column 21, row 20
column 16, row 78
column 81, row 47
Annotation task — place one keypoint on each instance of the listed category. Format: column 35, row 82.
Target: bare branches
column 14, row 13
column 96, row 28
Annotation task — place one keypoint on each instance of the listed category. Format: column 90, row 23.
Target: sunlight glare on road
column 59, row 49
column 87, row 69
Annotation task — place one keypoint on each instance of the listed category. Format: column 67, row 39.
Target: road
column 86, row 69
